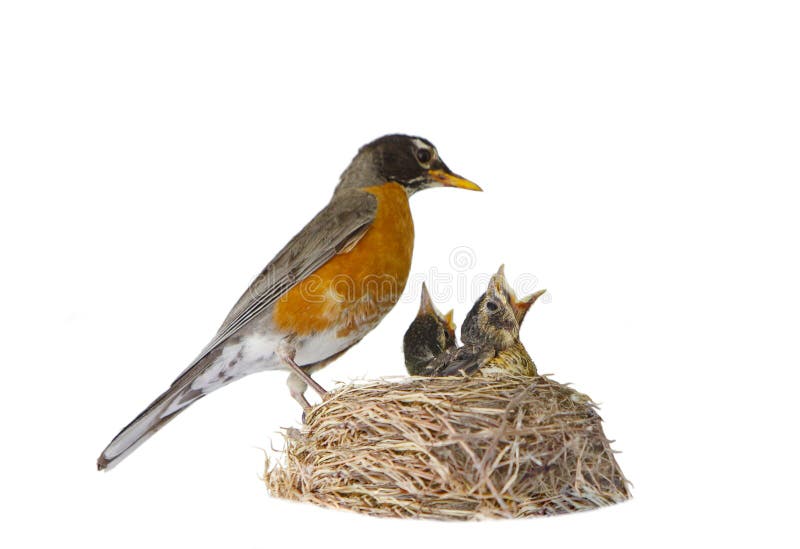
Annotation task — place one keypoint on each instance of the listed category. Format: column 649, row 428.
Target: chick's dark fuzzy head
column 428, row 309
column 429, row 335
column 411, row 161
column 424, row 340
column 492, row 320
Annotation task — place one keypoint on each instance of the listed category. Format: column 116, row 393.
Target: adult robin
column 324, row 291
column 429, row 335
column 490, row 336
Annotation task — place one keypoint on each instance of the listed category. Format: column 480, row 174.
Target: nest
column 452, row 448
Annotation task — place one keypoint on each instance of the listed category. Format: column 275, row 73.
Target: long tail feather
column 185, row 390
column 172, row 402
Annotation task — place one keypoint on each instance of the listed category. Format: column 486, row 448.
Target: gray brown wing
column 467, row 359
column 333, row 230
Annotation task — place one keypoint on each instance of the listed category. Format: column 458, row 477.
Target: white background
column 639, row 159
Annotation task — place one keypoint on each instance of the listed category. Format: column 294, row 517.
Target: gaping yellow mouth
column 448, row 179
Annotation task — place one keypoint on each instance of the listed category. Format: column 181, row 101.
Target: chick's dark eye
column 491, row 305
column 424, row 156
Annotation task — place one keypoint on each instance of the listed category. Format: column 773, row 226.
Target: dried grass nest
column 453, row 448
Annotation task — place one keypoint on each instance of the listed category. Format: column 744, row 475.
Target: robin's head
column 492, row 320
column 411, row 161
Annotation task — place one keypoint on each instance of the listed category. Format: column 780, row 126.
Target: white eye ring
column 424, row 156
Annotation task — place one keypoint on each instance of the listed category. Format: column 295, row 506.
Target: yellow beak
column 448, row 179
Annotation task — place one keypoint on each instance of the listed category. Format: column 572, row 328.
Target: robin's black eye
column 424, row 156
column 492, row 306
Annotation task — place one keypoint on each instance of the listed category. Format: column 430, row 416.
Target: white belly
column 321, row 346
column 256, row 352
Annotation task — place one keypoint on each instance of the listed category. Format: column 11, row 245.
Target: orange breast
column 354, row 290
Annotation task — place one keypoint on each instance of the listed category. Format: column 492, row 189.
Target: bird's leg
column 297, row 388
column 286, row 352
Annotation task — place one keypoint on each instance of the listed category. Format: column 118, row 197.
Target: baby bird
column 490, row 335
column 428, row 336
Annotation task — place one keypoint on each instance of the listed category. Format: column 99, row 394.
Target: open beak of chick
column 448, row 318
column 426, row 306
column 522, row 306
